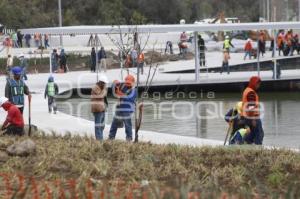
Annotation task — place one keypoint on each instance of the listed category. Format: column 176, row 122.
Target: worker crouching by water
column 240, row 135
column 234, row 118
column 127, row 96
column 14, row 123
column 251, row 112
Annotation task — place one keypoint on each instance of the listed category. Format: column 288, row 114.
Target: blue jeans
column 99, row 125
column 225, row 65
column 257, row 133
column 247, row 53
column 125, row 117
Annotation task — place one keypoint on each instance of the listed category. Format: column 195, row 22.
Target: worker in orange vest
column 251, row 111
column 141, row 60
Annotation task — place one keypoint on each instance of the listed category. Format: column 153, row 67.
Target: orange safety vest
column 250, row 110
column 141, row 58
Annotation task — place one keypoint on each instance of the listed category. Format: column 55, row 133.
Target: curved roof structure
column 85, row 30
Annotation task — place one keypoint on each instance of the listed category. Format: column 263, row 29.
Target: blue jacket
column 127, row 102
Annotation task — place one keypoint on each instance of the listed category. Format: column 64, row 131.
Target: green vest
column 227, row 44
column 243, row 132
column 51, row 89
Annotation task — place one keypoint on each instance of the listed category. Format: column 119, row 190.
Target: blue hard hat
column 17, row 70
column 51, row 79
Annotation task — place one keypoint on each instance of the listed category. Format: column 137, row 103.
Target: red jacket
column 248, row 46
column 14, row 115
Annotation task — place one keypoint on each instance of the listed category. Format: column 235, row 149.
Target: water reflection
column 205, row 119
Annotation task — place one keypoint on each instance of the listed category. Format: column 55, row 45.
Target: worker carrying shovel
column 14, row 123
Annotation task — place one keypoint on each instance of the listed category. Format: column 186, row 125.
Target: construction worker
column 141, row 61
column 14, row 123
column 239, row 136
column 127, row 96
column 225, row 63
column 99, row 104
column 248, row 49
column 23, row 65
column 201, row 47
column 227, row 44
column 234, row 118
column 251, row 111
column 51, row 91
column 102, row 59
column 16, row 88
column 9, row 65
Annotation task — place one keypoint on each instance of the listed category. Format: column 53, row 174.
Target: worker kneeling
column 14, row 123
column 239, row 136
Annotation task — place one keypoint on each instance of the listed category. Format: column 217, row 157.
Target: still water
column 202, row 116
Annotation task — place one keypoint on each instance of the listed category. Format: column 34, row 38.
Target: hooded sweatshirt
column 14, row 115
column 250, row 98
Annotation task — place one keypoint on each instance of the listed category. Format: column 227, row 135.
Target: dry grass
column 243, row 172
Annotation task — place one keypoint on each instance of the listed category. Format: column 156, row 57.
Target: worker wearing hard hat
column 99, row 104
column 227, row 44
column 14, row 123
column 233, row 117
column 127, row 96
column 15, row 89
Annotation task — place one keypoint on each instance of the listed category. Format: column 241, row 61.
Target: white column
column 60, row 23
column 197, row 71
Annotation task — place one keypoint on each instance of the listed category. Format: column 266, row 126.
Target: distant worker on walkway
column 51, row 91
column 251, row 111
column 202, row 48
column 9, row 65
column 102, row 59
column 63, row 61
column 23, row 65
column 27, row 40
column 225, row 63
column 227, row 44
column 93, row 60
column 169, row 47
column 14, row 122
column 46, row 41
column 54, row 61
column 183, row 43
column 16, row 88
column 141, row 62
column 127, row 96
column 99, row 104
column 280, row 43
column 248, row 49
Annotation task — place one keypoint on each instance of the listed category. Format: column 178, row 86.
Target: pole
column 197, row 71
column 298, row 10
column 60, row 22
column 274, row 53
column 258, row 54
column 97, row 62
column 268, row 10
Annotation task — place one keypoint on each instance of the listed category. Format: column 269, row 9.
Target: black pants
column 202, row 59
column 21, row 109
column 14, row 130
column 51, row 104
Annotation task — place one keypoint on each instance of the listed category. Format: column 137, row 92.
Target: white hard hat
column 227, row 37
column 3, row 100
column 103, row 78
column 21, row 55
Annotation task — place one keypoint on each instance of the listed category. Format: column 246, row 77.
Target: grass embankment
column 83, row 167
